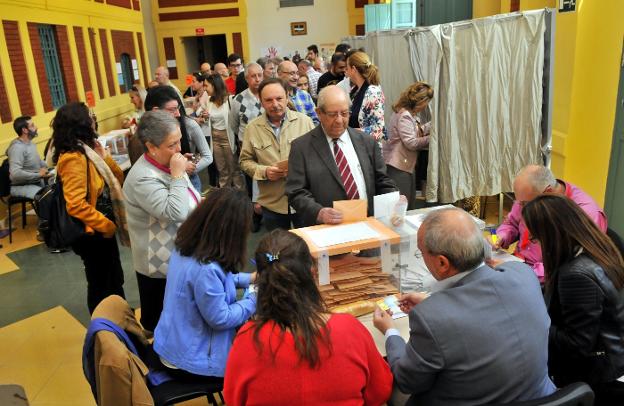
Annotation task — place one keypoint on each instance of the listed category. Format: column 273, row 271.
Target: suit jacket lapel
column 360, row 151
column 319, row 143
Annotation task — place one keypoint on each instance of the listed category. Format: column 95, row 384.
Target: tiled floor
column 44, row 314
column 44, row 317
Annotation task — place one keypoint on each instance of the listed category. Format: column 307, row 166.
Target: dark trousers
column 273, row 220
column 105, row 276
column 406, row 182
column 153, row 361
column 152, row 296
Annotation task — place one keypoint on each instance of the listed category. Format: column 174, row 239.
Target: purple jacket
column 513, row 228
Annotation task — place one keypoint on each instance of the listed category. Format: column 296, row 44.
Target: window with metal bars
column 126, row 78
column 52, row 66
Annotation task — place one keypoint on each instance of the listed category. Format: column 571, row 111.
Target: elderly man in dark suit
column 334, row 162
column 481, row 336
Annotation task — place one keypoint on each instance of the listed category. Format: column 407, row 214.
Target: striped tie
column 345, row 173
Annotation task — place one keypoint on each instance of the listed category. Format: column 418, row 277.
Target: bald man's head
column 204, row 69
column 287, row 71
column 161, row 75
column 222, row 70
column 452, row 234
column 532, row 181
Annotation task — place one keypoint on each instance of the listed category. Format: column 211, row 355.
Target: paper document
column 352, row 210
column 283, row 165
column 384, row 204
column 391, row 303
column 325, row 237
column 502, row 255
column 415, row 220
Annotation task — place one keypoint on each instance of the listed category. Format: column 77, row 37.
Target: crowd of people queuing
column 283, row 139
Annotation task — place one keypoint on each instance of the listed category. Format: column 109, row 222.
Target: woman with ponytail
column 367, row 108
column 295, row 351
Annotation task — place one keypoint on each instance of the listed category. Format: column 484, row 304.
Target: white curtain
column 389, row 51
column 486, row 111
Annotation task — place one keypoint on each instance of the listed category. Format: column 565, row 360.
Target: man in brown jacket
column 264, row 155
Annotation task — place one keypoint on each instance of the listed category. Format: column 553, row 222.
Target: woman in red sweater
column 295, row 351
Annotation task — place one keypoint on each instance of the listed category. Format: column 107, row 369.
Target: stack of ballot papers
column 356, row 278
column 335, row 235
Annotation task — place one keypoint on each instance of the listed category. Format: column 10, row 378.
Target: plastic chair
column 575, row 394
column 172, row 392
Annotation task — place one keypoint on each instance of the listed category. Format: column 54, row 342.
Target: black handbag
column 59, row 229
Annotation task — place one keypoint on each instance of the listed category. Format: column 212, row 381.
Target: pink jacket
column 513, row 228
column 405, row 137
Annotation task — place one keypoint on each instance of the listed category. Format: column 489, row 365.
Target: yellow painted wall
column 186, row 28
column 484, row 8
column 599, row 39
column 588, row 48
column 83, row 13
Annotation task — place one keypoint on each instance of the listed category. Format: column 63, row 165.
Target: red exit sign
column 199, row 31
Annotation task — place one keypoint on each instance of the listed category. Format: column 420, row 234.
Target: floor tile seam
column 34, row 397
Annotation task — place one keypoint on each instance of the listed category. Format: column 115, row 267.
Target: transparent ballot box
column 344, row 277
column 407, row 260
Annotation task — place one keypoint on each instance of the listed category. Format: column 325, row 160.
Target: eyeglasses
column 293, row 73
column 236, row 65
column 335, row 114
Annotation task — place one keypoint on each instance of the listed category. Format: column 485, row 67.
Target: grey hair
column 262, row 61
column 252, row 65
column 322, row 96
column 154, row 127
column 461, row 242
column 306, row 62
column 539, row 177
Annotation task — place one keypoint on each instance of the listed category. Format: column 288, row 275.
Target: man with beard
column 335, row 73
column 26, row 169
column 266, row 145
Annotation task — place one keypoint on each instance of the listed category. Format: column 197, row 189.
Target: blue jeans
column 196, row 182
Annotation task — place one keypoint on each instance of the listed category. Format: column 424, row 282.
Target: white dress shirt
column 345, row 144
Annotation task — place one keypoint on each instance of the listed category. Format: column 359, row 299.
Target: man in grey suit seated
column 481, row 336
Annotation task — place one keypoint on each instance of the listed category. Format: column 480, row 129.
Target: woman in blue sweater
column 201, row 313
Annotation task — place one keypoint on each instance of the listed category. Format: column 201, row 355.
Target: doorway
column 615, row 182
column 206, row 48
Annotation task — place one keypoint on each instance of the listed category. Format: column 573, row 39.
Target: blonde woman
column 137, row 97
column 367, row 98
column 223, row 139
column 406, row 136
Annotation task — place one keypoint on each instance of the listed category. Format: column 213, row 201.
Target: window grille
column 126, row 76
column 52, row 66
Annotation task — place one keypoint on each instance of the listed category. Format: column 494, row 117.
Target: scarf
column 116, row 195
